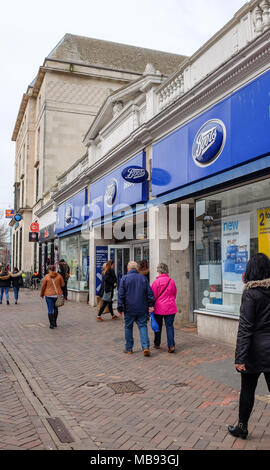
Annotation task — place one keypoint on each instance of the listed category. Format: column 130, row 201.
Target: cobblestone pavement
column 71, row 376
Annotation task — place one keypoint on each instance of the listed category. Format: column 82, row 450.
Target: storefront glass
column 75, row 252
column 231, row 226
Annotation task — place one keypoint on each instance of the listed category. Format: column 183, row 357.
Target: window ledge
column 217, row 314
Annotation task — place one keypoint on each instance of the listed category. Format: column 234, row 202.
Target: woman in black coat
column 252, row 355
column 109, row 282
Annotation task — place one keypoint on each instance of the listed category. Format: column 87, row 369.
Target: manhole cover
column 125, row 387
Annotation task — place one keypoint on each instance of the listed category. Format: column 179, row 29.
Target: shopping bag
column 154, row 323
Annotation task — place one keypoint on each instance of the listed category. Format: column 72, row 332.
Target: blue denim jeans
column 168, row 319
column 141, row 321
column 16, row 292
column 51, row 305
column 6, row 289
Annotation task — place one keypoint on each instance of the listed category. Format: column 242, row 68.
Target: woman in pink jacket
column 165, row 291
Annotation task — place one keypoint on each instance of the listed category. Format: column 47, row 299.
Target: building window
column 20, row 250
column 231, row 226
column 37, row 183
column 22, row 192
column 75, row 251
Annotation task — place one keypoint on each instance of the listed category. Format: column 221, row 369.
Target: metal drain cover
column 60, row 430
column 180, row 384
column 125, row 387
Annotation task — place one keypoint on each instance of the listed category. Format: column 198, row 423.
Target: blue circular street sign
column 17, row 217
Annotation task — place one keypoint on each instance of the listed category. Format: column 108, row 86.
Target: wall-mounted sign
column 135, row 174
column 34, row 227
column 9, row 213
column 17, row 217
column 47, row 233
column 113, row 193
column 209, row 142
column 72, row 213
column 33, row 236
column 231, row 133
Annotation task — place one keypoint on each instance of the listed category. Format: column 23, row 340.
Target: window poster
column 235, row 251
column 101, row 258
column 263, row 218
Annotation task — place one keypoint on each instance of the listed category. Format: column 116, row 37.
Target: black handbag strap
column 162, row 292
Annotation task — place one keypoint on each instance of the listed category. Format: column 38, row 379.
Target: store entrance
column 122, row 254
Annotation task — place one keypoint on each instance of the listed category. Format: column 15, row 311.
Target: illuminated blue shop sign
column 114, row 193
column 230, row 134
column 72, row 213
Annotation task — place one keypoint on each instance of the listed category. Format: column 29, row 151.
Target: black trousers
column 103, row 306
column 247, row 394
column 65, row 291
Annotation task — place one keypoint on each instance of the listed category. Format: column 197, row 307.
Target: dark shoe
column 55, row 315
column 1, row 302
column 16, row 302
column 240, row 430
column 156, row 347
column 127, row 352
column 171, row 349
column 146, row 352
column 7, row 302
column 51, row 321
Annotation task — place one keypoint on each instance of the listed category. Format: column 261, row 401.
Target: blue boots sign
column 209, row 142
column 135, row 174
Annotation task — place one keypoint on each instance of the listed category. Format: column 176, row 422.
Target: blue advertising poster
column 235, row 251
column 101, row 258
column 230, row 133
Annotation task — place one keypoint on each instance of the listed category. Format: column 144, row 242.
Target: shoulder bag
column 60, row 298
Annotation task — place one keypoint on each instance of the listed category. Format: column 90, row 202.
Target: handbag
column 60, row 298
column 107, row 297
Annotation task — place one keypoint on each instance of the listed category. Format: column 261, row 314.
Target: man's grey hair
column 132, row 265
column 163, row 268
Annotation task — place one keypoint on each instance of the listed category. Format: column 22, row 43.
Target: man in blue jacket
column 135, row 299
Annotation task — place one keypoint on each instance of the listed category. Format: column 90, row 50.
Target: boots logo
column 135, row 174
column 68, row 214
column 111, row 192
column 209, row 142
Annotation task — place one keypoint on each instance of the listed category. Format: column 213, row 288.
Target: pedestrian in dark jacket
column 135, row 299
column 252, row 355
column 64, row 270
column 17, row 282
column 5, row 281
column 109, row 282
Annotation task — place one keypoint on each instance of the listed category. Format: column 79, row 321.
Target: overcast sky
column 30, row 29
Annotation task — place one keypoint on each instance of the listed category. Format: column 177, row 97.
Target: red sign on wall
column 34, row 227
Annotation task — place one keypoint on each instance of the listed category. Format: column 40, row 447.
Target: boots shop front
column 73, row 234
column 225, row 172
column 119, row 231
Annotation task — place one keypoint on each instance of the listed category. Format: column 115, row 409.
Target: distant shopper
column 106, row 292
column 64, row 270
column 143, row 268
column 5, row 281
column 51, row 287
column 135, row 299
column 17, row 282
column 252, row 355
column 165, row 291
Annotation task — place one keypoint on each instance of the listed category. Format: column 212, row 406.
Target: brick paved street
column 185, row 400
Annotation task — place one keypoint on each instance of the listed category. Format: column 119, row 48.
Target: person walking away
column 165, row 291
column 64, row 270
column 108, row 284
column 17, row 282
column 52, row 286
column 252, row 354
column 136, row 300
column 5, row 281
column 143, row 268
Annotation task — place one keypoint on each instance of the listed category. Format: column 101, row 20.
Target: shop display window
column 231, row 226
column 75, row 251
